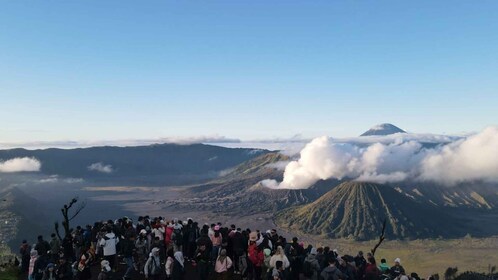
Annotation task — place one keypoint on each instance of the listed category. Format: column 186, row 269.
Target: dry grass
column 430, row 256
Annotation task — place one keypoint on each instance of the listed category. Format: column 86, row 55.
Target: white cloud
column 50, row 179
column 394, row 159
column 73, row 180
column 57, row 179
column 214, row 139
column 24, row 164
column 101, row 167
column 474, row 158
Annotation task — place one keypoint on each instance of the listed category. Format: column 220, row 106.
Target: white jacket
column 159, row 232
column 108, row 242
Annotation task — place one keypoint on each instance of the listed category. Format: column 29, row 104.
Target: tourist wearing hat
column 49, row 273
column 105, row 269
column 255, row 255
column 397, row 269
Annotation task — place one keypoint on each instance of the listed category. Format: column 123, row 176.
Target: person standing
column 25, row 251
column 55, row 248
column 109, row 242
column 178, row 272
column 152, row 269
column 331, row 272
column 128, row 249
column 256, row 257
column 202, row 258
column 64, row 270
column 42, row 247
column 32, row 263
column 84, row 269
column 222, row 266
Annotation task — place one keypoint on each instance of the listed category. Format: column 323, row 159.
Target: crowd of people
column 158, row 249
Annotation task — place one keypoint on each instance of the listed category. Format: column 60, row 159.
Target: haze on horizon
column 114, row 70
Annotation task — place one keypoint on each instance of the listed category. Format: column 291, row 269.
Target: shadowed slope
column 357, row 210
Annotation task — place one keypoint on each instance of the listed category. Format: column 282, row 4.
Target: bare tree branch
column 56, row 226
column 81, row 207
column 381, row 238
column 65, row 214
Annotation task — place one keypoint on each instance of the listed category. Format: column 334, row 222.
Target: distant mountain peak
column 383, row 129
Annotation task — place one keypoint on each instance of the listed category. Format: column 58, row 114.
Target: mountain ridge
column 382, row 130
column 154, row 164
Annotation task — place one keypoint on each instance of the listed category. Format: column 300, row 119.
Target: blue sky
column 92, row 70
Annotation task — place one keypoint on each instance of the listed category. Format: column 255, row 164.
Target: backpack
column 153, row 267
column 307, row 269
column 177, row 237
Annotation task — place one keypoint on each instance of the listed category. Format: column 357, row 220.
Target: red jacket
column 167, row 237
column 371, row 271
column 255, row 255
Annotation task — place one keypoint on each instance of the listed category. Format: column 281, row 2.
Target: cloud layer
column 394, row 159
column 101, row 167
column 215, row 139
column 24, row 164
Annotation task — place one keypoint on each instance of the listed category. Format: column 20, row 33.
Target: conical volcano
column 383, row 129
column 357, row 210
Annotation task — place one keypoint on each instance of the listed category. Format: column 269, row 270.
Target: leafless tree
column 67, row 216
column 381, row 238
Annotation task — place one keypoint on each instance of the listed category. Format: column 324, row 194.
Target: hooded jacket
column 153, row 265
column 178, row 267
column 315, row 266
column 279, row 256
column 109, row 242
column 331, row 273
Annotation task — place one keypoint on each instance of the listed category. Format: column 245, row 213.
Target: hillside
column 20, row 216
column 169, row 164
column 240, row 192
column 469, row 195
column 357, row 210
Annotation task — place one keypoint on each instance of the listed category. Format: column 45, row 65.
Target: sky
column 110, row 70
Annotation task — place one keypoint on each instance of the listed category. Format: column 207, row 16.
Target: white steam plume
column 465, row 159
column 24, row 164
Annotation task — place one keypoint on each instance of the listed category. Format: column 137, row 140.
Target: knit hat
column 143, row 231
column 397, row 260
